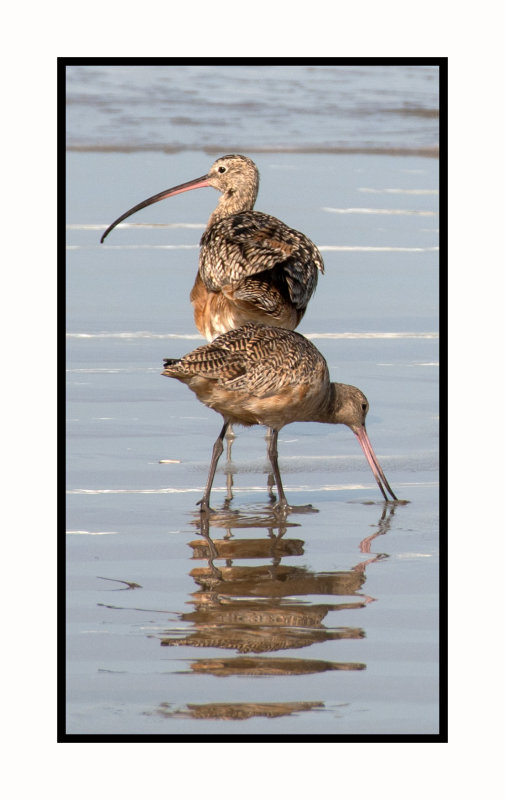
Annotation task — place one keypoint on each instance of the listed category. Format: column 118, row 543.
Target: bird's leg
column 270, row 479
column 229, row 436
column 282, row 504
column 216, row 453
column 273, row 456
column 204, row 531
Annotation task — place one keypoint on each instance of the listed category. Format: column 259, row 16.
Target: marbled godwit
column 261, row 375
column 253, row 267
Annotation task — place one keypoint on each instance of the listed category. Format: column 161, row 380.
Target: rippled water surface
column 322, row 623
column 228, row 108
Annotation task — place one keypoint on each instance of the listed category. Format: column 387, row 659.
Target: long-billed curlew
column 253, row 267
column 261, row 375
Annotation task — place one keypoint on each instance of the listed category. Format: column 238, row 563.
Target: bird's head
column 350, row 406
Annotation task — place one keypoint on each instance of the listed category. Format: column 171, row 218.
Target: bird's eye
column 221, row 169
column 364, row 406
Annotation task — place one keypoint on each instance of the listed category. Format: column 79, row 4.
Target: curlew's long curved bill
column 196, row 183
column 374, row 463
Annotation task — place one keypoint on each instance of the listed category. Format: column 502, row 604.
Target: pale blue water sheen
column 155, row 639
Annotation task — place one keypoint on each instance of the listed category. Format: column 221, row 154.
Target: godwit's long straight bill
column 196, row 183
column 373, row 461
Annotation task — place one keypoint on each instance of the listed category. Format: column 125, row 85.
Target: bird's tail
column 168, row 366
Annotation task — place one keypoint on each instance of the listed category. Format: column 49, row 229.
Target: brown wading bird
column 261, row 375
column 253, row 267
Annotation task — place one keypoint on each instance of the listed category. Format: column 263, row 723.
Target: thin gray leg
column 216, row 453
column 273, row 456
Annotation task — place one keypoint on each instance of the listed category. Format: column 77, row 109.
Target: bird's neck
column 325, row 411
column 333, row 404
column 234, row 201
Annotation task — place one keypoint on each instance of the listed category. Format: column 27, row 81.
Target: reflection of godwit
column 261, row 375
column 252, row 266
column 383, row 525
column 265, row 608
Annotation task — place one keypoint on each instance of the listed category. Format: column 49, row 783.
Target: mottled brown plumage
column 252, row 266
column 263, row 375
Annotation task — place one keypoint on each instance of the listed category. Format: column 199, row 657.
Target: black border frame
column 442, row 63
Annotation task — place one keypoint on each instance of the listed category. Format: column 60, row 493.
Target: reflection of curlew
column 237, row 710
column 223, row 667
column 216, row 610
column 262, row 639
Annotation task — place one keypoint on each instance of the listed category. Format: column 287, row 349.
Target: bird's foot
column 204, row 506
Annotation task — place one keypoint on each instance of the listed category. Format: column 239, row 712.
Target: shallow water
column 323, row 623
column 337, row 614
column 253, row 108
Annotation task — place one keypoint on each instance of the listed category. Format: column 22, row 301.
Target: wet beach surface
column 319, row 623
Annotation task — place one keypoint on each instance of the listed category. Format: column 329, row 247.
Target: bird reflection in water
column 365, row 546
column 254, row 610
column 237, row 711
